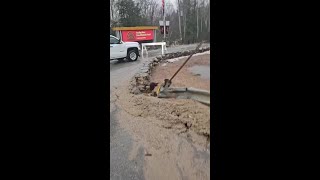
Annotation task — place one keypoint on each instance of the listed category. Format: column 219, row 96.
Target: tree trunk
column 197, row 23
column 152, row 15
column 179, row 15
column 185, row 22
column 184, row 27
column 201, row 24
column 111, row 9
column 201, row 16
column 209, row 18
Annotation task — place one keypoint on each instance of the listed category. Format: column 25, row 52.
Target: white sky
column 173, row 2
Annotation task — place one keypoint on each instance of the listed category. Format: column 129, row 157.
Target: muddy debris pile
column 178, row 114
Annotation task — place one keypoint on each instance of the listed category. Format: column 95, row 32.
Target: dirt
column 169, row 146
column 181, row 115
column 174, row 133
column 185, row 78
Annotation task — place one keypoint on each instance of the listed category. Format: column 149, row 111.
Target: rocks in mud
column 170, row 56
column 155, row 60
column 180, row 128
column 135, row 90
column 142, row 79
column 146, row 84
column 189, row 124
column 205, row 49
column 185, row 53
column 144, row 75
column 131, row 87
column 159, row 58
column 178, row 54
column 142, row 88
column 144, row 70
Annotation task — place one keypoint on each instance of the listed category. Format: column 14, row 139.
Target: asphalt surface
column 120, row 141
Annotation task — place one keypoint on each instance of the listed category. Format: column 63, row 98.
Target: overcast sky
column 173, row 2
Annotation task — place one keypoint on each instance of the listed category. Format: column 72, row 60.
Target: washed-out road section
column 120, row 141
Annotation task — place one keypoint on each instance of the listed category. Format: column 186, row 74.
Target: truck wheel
column 132, row 55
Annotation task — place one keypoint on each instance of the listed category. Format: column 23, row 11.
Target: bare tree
column 202, row 6
column 179, row 16
column 197, row 20
column 153, row 7
column 209, row 17
column 184, row 20
column 114, row 14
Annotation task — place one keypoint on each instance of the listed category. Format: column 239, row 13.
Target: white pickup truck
column 120, row 50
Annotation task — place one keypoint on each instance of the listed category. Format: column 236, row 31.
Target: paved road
column 120, row 141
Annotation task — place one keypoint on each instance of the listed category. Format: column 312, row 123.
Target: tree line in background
column 189, row 21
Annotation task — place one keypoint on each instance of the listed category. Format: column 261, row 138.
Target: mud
column 169, row 146
column 174, row 134
column 202, row 71
column 181, row 115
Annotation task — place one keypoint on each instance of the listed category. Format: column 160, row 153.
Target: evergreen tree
column 129, row 13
